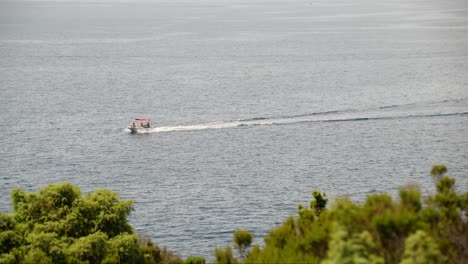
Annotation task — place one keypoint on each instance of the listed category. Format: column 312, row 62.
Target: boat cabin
column 141, row 122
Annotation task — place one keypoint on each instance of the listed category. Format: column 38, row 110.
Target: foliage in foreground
column 381, row 230
column 59, row 225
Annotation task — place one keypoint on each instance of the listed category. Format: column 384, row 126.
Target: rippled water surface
column 256, row 103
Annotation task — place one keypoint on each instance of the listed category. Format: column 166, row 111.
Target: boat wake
column 428, row 110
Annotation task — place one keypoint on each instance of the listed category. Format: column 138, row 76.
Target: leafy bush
column 195, row 260
column 379, row 231
column 58, row 224
column 422, row 249
column 242, row 240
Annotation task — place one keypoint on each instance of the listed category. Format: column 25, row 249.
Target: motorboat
column 140, row 125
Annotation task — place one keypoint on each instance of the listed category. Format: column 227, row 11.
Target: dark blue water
column 257, row 103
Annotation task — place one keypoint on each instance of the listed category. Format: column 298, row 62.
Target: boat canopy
column 142, row 119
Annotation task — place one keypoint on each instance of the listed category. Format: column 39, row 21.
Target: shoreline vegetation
column 59, row 224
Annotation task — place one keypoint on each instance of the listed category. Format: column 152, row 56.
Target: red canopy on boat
column 142, row 119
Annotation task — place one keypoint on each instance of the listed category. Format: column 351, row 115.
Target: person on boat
column 133, row 125
column 148, row 125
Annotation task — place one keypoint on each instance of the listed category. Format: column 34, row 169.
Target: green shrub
column 225, row 256
column 422, row 249
column 379, row 231
column 195, row 260
column 58, row 224
column 242, row 240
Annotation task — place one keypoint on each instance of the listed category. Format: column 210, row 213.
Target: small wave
column 350, row 119
column 294, row 116
column 316, row 114
column 440, row 115
column 457, row 100
column 388, row 106
column 395, row 117
column 445, row 101
column 254, row 119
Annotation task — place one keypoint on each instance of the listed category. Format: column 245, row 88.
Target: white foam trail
column 391, row 112
column 220, row 125
column 234, row 124
column 197, row 127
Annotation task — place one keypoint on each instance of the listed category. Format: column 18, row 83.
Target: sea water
column 255, row 103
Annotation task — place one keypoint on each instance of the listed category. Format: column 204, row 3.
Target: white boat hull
column 140, row 130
